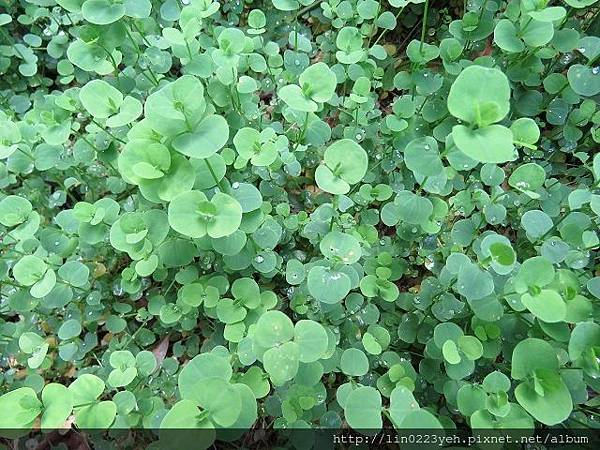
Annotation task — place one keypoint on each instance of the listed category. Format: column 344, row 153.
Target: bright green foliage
column 345, row 163
column 224, row 216
column 192, row 214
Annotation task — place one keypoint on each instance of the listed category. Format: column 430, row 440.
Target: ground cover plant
column 254, row 217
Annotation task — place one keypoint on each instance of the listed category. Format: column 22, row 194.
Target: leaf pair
column 480, row 96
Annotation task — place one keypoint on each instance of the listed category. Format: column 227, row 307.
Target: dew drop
column 567, row 58
column 117, row 290
column 235, row 185
column 596, row 70
column 259, row 259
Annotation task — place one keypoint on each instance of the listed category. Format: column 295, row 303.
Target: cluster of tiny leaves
column 299, row 213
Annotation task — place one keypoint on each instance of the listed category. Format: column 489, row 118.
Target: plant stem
column 212, row 172
column 424, row 26
column 108, row 132
column 309, row 8
column 134, row 25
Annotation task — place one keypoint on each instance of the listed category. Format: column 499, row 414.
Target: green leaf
column 471, row 347
column 474, row 283
column 29, row 270
column 402, row 402
column 86, row 388
column 532, row 354
column 102, row 12
column 354, row 362
column 222, row 401
column 528, row 177
column 422, row 157
column 98, row 97
column 201, row 367
column 345, row 164
column 584, row 80
column 341, row 247
column 193, row 215
column 450, row 352
column 98, row 416
column 470, row 398
column 536, row 223
column 549, row 14
column 210, row 135
column 421, row 419
column 58, row 405
column 273, row 328
column 69, row 329
column 24, row 407
column 176, row 108
column 546, row 397
column 311, row 339
column 328, row 286
column 286, row 5
column 479, row 96
column 547, row 305
column 14, row 210
column 525, row 131
column 281, row 363
column 363, row 409
column 318, row 82
column 491, row 144
column 293, row 96
column 183, row 415
column 505, row 36
column 537, row 33
column 536, row 271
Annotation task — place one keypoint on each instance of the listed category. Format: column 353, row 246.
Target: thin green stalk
column 146, row 41
column 385, row 30
column 212, row 172
column 309, row 8
column 424, row 26
column 108, row 132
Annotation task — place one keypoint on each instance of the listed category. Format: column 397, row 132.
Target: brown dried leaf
column 160, row 351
